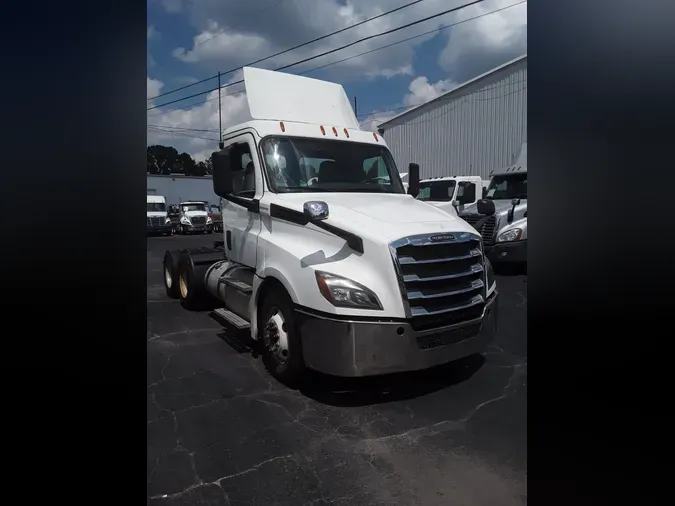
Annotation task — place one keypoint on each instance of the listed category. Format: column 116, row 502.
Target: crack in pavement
column 217, row 482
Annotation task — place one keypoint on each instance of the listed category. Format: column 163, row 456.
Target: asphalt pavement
column 222, row 431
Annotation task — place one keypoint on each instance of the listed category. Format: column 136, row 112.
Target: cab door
column 242, row 227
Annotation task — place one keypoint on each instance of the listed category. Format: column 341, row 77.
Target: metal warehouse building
column 470, row 130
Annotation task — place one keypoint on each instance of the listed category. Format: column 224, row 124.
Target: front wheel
column 282, row 347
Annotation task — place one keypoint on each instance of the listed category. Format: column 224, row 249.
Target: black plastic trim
column 293, row 216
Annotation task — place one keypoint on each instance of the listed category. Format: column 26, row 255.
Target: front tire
column 282, row 346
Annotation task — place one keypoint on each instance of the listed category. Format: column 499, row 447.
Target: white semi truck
column 505, row 232
column 194, row 218
column 157, row 220
column 326, row 263
column 453, row 193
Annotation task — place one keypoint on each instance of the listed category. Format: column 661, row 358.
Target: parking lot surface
column 222, row 431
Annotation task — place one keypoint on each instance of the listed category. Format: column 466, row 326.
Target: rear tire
column 281, row 343
column 170, row 272
column 191, row 288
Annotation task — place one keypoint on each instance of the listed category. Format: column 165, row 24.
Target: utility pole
column 355, row 110
column 220, row 117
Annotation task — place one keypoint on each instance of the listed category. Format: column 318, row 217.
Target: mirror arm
column 252, row 206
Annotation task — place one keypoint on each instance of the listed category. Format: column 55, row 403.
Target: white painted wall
column 178, row 189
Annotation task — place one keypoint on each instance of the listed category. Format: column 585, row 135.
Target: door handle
column 228, row 238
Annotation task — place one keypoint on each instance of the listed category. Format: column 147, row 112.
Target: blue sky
column 190, row 40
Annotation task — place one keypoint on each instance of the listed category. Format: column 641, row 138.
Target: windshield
column 193, row 207
column 156, row 207
column 436, row 191
column 507, row 187
column 297, row 164
column 215, row 209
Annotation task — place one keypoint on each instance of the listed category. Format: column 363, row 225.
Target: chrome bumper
column 367, row 348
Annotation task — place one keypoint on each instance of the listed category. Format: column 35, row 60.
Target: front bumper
column 198, row 228
column 507, row 252
column 353, row 348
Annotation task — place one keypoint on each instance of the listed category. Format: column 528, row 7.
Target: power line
column 444, row 27
column 160, row 130
column 370, row 37
column 203, row 42
column 298, row 46
column 435, row 30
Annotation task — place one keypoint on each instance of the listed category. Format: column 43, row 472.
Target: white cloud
column 486, row 41
column 154, row 87
column 248, row 37
column 173, row 6
column 421, row 91
column 153, row 34
column 195, row 129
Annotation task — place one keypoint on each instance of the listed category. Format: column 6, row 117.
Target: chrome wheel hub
column 276, row 336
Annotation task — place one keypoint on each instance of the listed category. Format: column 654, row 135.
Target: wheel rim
column 276, row 336
column 183, row 286
column 167, row 276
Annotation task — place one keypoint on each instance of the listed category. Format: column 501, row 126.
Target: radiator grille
column 442, row 283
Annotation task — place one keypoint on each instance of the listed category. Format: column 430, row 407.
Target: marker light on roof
column 347, row 133
column 281, row 124
column 335, row 131
column 375, row 136
column 323, row 130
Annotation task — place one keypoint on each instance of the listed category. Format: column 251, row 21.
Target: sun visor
column 286, row 97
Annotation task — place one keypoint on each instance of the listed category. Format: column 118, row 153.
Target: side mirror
column 413, row 179
column 515, row 202
column 315, row 210
column 222, row 175
column 485, row 207
column 484, row 192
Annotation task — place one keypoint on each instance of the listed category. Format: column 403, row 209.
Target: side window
column 466, row 192
column 243, row 170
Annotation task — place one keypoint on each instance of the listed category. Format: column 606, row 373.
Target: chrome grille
column 155, row 221
column 198, row 220
column 442, row 283
column 487, row 230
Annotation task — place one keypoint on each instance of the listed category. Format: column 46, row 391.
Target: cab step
column 229, row 318
column 235, row 283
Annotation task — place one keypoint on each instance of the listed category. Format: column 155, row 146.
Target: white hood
column 192, row 214
column 384, row 216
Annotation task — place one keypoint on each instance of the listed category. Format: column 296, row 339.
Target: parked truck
column 194, row 218
column 326, row 263
column 505, row 233
column 157, row 221
column 216, row 217
column 452, row 194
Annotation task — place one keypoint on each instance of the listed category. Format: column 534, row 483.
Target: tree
column 185, row 165
column 162, row 159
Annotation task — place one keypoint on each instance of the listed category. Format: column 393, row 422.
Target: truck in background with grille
column 325, row 262
column 156, row 220
column 505, row 232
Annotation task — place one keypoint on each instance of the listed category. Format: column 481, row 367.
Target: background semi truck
column 326, row 263
column 452, row 194
column 505, row 233
column 157, row 221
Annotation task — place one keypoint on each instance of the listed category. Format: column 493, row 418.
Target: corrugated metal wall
column 478, row 128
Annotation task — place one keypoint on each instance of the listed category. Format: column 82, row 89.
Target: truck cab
column 451, row 194
column 157, row 221
column 505, row 233
column 194, row 218
column 326, row 262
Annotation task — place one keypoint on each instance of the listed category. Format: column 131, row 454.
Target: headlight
column 208, row 219
column 185, row 220
column 167, row 221
column 490, row 276
column 343, row 292
column 510, row 235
